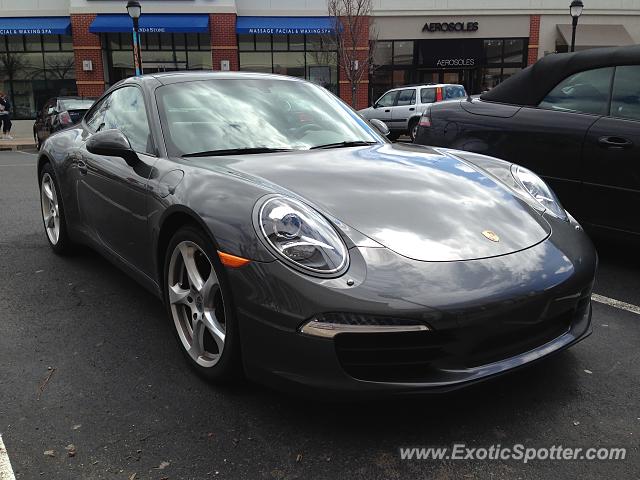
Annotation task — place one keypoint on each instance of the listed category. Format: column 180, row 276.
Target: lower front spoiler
column 310, row 366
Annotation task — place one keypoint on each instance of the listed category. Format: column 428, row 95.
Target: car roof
column 531, row 85
column 429, row 85
column 167, row 78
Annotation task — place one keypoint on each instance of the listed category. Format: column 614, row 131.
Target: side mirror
column 112, row 143
column 375, row 105
column 380, row 126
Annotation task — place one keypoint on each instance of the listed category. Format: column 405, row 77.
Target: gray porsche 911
column 292, row 243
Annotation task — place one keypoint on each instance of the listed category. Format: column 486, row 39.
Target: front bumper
column 485, row 317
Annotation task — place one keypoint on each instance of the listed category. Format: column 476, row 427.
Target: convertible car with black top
column 292, row 243
column 574, row 119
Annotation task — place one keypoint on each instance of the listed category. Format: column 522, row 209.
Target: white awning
column 588, row 36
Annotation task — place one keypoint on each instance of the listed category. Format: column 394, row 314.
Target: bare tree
column 351, row 24
column 60, row 67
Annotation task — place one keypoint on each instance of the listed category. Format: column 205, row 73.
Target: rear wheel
column 199, row 305
column 413, row 129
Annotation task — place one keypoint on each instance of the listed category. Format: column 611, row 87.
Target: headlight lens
column 301, row 236
column 539, row 190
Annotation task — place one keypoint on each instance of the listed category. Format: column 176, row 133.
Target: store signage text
column 152, row 29
column 26, row 31
column 450, row 27
column 456, row 62
column 290, row 31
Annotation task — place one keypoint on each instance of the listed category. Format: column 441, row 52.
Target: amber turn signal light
column 232, row 261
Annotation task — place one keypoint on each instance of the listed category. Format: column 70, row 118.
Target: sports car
column 293, row 244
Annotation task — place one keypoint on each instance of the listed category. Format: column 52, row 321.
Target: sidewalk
column 22, row 133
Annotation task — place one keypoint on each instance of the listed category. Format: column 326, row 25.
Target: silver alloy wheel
column 50, row 208
column 197, row 306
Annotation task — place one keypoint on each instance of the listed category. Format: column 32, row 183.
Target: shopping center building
column 80, row 47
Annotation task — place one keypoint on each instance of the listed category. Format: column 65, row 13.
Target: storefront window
column 383, row 54
column 513, row 50
column 490, row 78
column 160, row 52
column 403, row 53
column 34, row 68
column 492, row 51
column 313, row 57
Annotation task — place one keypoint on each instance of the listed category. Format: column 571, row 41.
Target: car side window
column 126, row 112
column 407, row 97
column 625, row 102
column 454, row 91
column 428, row 95
column 95, row 117
column 387, row 100
column 585, row 92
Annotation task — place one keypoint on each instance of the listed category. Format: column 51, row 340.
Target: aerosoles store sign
column 450, row 27
column 455, row 53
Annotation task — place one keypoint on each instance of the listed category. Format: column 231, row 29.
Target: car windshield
column 76, row 104
column 251, row 115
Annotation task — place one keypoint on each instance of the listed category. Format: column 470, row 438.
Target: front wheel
column 199, row 305
column 53, row 212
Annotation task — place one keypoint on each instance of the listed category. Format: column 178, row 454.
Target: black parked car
column 58, row 113
column 572, row 118
column 289, row 239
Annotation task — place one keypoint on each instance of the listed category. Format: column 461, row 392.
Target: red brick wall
column 224, row 42
column 362, row 89
column 86, row 46
column 534, row 38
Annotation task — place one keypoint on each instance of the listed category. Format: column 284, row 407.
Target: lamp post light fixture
column 134, row 9
column 575, row 9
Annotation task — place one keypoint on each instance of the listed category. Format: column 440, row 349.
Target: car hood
column 421, row 203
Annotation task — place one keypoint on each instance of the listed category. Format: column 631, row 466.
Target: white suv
column 400, row 108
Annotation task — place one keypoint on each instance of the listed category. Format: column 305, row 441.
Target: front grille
column 405, row 356
column 415, row 356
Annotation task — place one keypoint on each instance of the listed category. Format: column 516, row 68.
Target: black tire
column 413, row 124
column 229, row 365
column 63, row 245
column 393, row 136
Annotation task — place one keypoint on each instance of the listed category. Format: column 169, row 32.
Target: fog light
column 328, row 325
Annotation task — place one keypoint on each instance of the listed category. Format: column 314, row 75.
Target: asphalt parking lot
column 87, row 359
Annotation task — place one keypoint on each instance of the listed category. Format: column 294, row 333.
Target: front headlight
column 301, row 236
column 539, row 190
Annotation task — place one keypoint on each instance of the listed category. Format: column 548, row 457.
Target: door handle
column 387, row 111
column 615, row 142
column 412, row 109
column 82, row 167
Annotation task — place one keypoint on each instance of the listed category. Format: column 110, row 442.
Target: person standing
column 5, row 116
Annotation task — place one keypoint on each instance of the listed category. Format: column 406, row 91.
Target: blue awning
column 283, row 25
column 151, row 23
column 35, row 26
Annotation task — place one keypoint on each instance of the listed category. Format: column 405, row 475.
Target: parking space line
column 616, row 303
column 19, row 165
column 6, row 472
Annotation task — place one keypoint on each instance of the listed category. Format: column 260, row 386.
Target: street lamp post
column 575, row 9
column 134, row 9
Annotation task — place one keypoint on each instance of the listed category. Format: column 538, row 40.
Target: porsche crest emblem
column 493, row 236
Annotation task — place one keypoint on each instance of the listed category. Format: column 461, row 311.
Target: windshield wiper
column 235, row 151
column 352, row 143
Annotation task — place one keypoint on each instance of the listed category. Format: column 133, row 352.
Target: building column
column 224, row 41
column 86, row 46
column 534, row 39
column 362, row 53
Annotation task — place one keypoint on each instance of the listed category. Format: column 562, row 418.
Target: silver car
column 400, row 108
